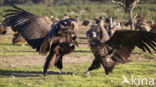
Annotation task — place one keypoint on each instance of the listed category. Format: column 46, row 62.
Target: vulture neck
column 103, row 33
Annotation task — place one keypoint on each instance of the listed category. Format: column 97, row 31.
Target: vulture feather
column 118, row 48
column 57, row 40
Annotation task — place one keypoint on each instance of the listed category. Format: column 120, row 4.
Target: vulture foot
column 86, row 73
column 107, row 76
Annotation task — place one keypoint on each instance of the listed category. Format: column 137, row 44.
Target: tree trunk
column 131, row 20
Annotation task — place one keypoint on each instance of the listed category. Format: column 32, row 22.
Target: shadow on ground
column 82, row 51
column 10, row 44
column 29, row 73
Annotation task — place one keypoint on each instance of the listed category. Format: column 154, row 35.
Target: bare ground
column 32, row 60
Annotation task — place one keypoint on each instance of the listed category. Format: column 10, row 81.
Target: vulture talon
column 86, row 73
column 107, row 76
column 45, row 74
column 61, row 72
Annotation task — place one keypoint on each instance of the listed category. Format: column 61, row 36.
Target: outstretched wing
column 32, row 27
column 124, row 41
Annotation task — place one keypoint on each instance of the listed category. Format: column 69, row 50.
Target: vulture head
column 68, row 33
column 93, row 32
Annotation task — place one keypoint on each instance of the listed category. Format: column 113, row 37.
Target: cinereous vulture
column 58, row 40
column 109, row 51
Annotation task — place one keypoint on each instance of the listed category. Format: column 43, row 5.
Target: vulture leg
column 50, row 60
column 59, row 64
column 95, row 65
column 108, row 64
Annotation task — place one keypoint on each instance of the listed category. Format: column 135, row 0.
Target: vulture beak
column 74, row 41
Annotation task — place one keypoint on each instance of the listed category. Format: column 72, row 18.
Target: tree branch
column 133, row 5
column 131, row 13
column 119, row 3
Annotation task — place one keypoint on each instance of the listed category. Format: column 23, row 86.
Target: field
column 88, row 11
column 21, row 66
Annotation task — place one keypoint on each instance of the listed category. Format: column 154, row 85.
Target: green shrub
column 91, row 11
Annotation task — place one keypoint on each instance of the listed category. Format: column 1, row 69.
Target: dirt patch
column 33, row 60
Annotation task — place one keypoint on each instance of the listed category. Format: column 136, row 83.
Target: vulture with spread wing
column 58, row 41
column 111, row 51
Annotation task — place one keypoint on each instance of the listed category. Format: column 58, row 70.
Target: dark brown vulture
column 2, row 29
column 58, row 41
column 86, row 22
column 111, row 51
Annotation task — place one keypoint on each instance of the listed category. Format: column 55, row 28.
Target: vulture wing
column 32, row 27
column 124, row 41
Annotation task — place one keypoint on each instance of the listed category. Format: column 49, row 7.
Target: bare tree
column 128, row 6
